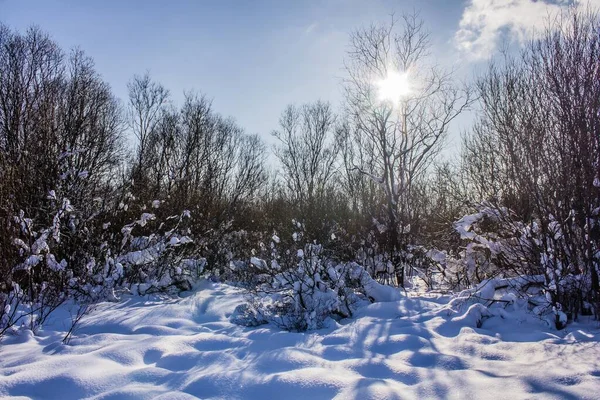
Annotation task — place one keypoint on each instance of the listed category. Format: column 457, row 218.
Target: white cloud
column 484, row 21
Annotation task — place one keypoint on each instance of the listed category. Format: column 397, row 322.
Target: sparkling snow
column 186, row 348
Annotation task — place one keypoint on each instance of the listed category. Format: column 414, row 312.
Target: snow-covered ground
column 187, row 348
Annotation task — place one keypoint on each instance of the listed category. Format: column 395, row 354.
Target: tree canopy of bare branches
column 400, row 138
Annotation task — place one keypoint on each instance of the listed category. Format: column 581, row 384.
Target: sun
column 394, row 87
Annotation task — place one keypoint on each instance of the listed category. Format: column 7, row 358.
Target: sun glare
column 394, row 87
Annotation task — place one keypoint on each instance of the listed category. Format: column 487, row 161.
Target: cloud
column 483, row 22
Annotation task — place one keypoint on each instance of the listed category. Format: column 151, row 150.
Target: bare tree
column 307, row 151
column 90, row 138
column 31, row 75
column 147, row 100
column 405, row 135
column 163, row 150
column 250, row 174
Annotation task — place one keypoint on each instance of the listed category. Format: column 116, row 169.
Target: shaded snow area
column 186, row 348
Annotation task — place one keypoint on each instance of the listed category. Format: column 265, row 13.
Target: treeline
column 84, row 216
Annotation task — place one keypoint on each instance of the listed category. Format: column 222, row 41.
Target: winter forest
column 151, row 248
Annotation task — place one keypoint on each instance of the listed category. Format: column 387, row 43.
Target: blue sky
column 255, row 57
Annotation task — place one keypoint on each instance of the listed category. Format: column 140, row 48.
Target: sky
column 252, row 58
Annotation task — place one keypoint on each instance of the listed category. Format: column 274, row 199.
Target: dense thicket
column 83, row 216
column 534, row 155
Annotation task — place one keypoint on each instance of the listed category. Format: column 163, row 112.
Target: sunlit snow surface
column 187, row 348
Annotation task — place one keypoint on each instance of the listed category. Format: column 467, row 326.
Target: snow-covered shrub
column 425, row 267
column 535, row 150
column 223, row 249
column 506, row 297
column 357, row 279
column 300, row 293
column 370, row 250
column 499, row 245
column 492, row 247
column 93, row 259
column 246, row 315
column 39, row 280
column 299, row 288
column 147, row 254
column 376, row 262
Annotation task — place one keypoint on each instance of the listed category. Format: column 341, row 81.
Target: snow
column 463, row 226
column 145, row 218
column 437, row 256
column 257, row 262
column 183, row 348
column 176, row 241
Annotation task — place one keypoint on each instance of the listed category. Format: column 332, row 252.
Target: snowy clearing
column 187, row 348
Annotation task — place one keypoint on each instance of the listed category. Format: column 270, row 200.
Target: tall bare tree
column 401, row 136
